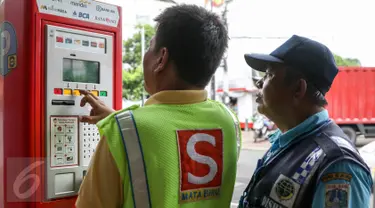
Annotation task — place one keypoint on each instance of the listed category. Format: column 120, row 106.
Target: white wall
column 245, row 107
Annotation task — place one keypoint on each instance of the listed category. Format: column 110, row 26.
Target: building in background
column 240, row 98
column 256, row 27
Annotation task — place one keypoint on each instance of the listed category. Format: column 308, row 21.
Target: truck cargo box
column 352, row 97
column 351, row 101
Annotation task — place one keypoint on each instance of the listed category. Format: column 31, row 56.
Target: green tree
column 133, row 82
column 133, row 77
column 133, row 46
column 340, row 61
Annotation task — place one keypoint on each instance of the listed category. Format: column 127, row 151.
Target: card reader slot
column 63, row 102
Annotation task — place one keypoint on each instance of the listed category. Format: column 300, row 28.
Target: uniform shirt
column 102, row 186
column 353, row 179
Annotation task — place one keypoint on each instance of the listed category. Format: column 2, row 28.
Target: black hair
column 196, row 40
column 316, row 97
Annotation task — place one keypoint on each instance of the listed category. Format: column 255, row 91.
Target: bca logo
column 84, row 15
column 201, row 163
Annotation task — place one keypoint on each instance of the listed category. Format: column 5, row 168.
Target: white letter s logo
column 200, row 137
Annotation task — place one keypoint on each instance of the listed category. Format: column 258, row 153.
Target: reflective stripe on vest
column 134, row 155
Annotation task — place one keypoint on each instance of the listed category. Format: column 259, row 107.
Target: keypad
column 90, row 139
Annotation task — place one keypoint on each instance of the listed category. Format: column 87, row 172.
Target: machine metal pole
column 143, row 53
column 225, row 67
column 143, row 41
column 246, row 124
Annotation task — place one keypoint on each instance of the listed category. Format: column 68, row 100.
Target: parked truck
column 351, row 101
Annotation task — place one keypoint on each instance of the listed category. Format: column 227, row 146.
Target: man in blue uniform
column 311, row 162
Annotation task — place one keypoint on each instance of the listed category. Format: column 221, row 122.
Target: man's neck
column 296, row 118
column 178, row 86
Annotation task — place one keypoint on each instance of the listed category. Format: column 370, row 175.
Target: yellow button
column 95, row 92
column 67, row 92
column 76, row 93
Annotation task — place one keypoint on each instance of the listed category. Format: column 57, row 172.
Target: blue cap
column 313, row 59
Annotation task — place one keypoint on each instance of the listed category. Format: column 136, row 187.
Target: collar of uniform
column 309, row 124
column 178, row 97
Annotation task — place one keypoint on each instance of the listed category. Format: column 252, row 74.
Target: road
column 247, row 165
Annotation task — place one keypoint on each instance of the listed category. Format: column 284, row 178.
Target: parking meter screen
column 80, row 71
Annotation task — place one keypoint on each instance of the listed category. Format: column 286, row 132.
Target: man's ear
column 162, row 60
column 300, row 88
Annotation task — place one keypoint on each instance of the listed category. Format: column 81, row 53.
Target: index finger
column 85, row 92
column 89, row 98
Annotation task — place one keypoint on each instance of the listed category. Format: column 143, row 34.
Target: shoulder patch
column 343, row 143
column 201, row 164
column 337, row 195
column 336, row 176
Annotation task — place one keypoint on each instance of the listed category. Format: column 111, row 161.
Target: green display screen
column 81, row 71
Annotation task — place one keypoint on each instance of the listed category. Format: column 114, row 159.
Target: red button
column 58, row 91
column 59, row 39
column 94, row 44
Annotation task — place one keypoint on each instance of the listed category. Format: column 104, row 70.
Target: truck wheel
column 350, row 133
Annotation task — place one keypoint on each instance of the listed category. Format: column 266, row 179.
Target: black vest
column 289, row 178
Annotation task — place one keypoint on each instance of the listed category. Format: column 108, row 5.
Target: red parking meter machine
column 49, row 50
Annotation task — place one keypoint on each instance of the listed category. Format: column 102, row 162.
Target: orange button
column 67, row 92
column 95, row 92
column 76, row 93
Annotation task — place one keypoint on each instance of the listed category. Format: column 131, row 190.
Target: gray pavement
column 245, row 169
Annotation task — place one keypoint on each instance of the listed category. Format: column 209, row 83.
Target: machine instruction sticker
column 84, row 10
column 64, row 141
column 8, row 52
